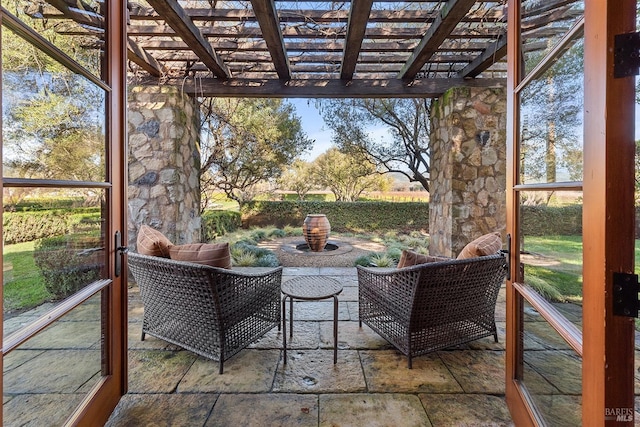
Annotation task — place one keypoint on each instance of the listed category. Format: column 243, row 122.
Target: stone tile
column 386, row 371
column 40, row 409
column 67, row 335
column 317, row 310
column 250, row 371
column 295, row 410
column 348, row 294
column 160, row 410
column 18, row 322
column 313, row 371
column 466, row 410
column 536, row 383
column 136, row 311
column 489, row 343
column 306, row 335
column 134, row 333
column 501, row 312
column 477, row 371
column 372, row 410
column 18, row 357
column 572, row 311
column 543, row 334
column 354, row 310
column 90, row 310
column 300, row 271
column 338, row 271
column 351, row 337
column 53, row 371
column 560, row 410
column 563, row 369
column 158, row 371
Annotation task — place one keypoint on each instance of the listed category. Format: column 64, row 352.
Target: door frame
column 608, row 341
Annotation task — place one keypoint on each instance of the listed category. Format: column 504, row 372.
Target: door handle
column 120, row 252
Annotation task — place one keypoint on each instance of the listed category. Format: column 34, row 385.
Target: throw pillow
column 152, row 242
column 488, row 244
column 215, row 255
column 409, row 258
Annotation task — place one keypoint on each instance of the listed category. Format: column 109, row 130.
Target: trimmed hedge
column 375, row 216
column 343, row 216
column 552, row 220
column 219, row 223
column 28, row 226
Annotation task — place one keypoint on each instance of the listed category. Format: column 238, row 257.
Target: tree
column 406, row 151
column 246, row 142
column 299, row 178
column 552, row 121
column 54, row 119
column 346, row 175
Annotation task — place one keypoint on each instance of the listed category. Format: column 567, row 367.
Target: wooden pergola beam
column 143, row 59
column 324, row 33
column 265, row 12
column 323, row 88
column 184, row 27
column 358, row 18
column 486, row 59
column 451, row 13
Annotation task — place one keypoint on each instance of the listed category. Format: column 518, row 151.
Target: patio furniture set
column 193, row 299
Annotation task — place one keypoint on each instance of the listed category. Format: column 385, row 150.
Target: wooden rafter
column 322, row 88
column 144, row 60
column 265, row 11
column 358, row 18
column 451, row 13
column 184, row 27
column 494, row 53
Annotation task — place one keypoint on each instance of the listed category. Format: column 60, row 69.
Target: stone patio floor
column 369, row 386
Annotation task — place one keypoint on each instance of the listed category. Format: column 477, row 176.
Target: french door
column 63, row 181
column 570, row 360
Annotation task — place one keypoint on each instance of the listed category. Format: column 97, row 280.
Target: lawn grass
column 561, row 278
column 24, row 287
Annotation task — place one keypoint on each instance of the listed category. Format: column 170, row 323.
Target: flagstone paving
column 369, row 386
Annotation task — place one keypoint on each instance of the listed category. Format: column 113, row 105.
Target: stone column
column 468, row 168
column 164, row 163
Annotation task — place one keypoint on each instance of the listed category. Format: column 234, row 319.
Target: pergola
column 290, row 48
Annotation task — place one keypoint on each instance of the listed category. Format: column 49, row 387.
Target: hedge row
column 375, row 216
column 28, row 226
column 219, row 223
column 343, row 216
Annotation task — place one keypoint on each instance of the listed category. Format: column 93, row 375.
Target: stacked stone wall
column 468, row 168
column 164, row 163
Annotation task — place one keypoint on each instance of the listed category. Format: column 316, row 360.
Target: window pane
column 48, row 376
column 78, row 33
column 543, row 25
column 53, row 119
column 551, row 251
column 552, row 372
column 53, row 247
column 551, row 122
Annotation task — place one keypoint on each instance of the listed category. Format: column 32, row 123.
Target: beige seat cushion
column 215, row 255
column 489, row 244
column 152, row 242
column 409, row 258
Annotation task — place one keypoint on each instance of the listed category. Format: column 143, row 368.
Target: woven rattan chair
column 432, row 306
column 210, row 311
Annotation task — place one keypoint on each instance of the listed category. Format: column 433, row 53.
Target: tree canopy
column 404, row 151
column 246, row 142
column 346, row 175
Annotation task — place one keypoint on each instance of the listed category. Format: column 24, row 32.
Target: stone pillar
column 468, row 168
column 164, row 163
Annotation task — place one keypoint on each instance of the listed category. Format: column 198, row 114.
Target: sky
column 313, row 126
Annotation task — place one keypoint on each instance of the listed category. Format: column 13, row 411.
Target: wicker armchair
column 210, row 311
column 432, row 306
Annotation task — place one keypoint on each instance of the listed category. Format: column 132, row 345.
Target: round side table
column 309, row 288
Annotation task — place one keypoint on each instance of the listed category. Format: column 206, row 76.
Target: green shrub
column 343, row 216
column 219, row 223
column 21, row 227
column 69, row 263
column 246, row 254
